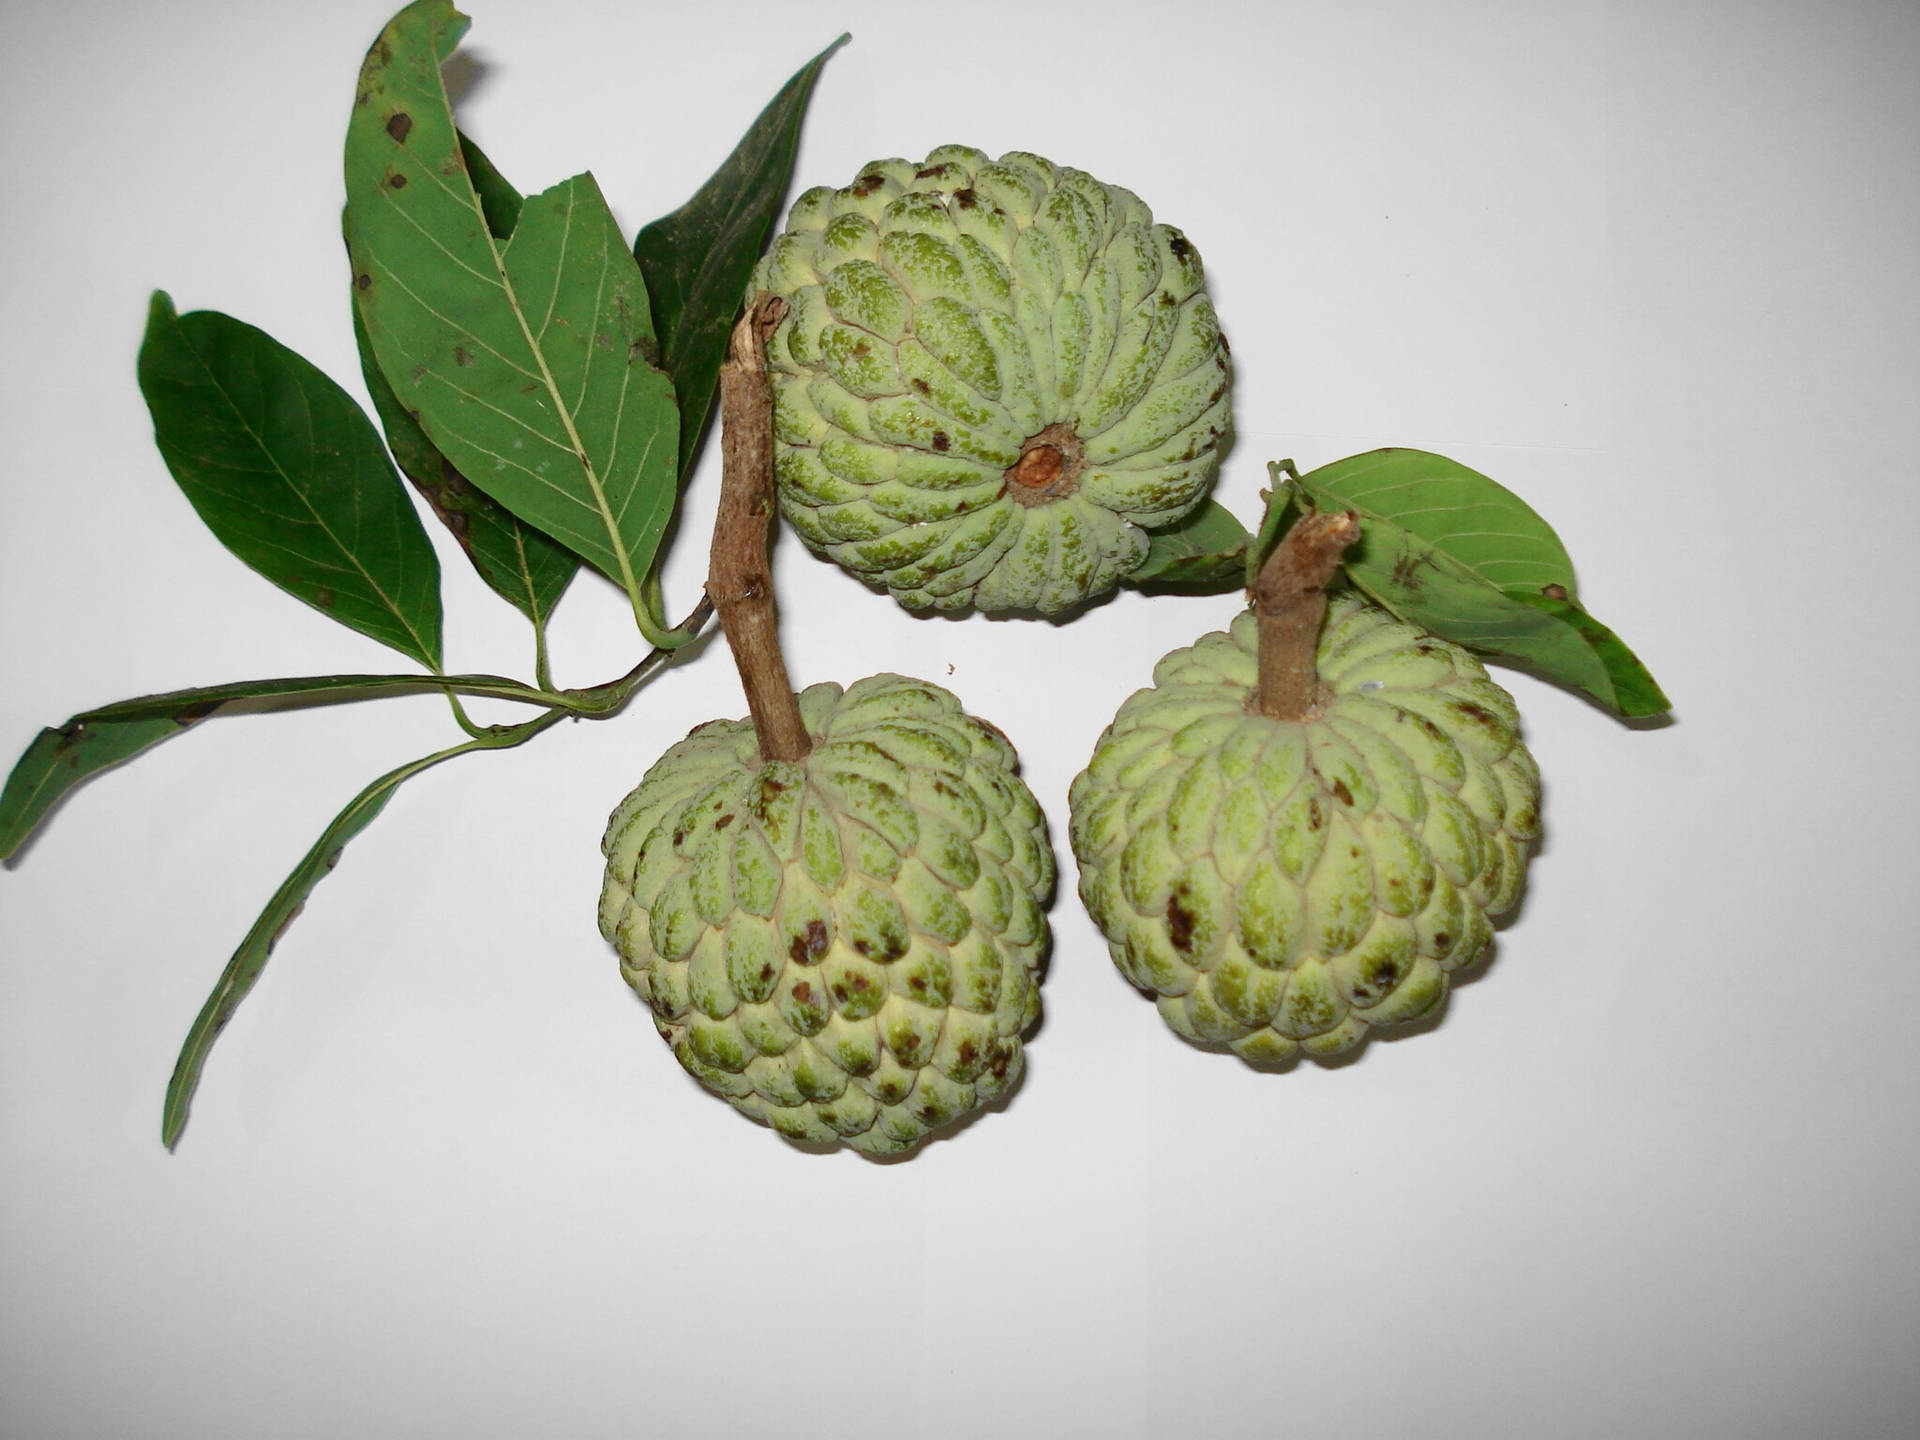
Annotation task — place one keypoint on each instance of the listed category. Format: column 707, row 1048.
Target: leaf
column 1203, row 554
column 290, row 475
column 58, row 760
column 523, row 566
column 251, row 958
column 526, row 568
column 97, row 740
column 1636, row 693
column 500, row 203
column 1485, row 526
column 1421, row 578
column 524, row 359
column 698, row 260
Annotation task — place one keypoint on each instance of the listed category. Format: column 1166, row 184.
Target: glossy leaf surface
column 290, row 475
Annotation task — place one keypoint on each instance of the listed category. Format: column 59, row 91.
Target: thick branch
column 1290, row 601
column 739, row 572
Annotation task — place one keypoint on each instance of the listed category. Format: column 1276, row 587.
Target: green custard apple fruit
column 848, row 948
column 995, row 378
column 1286, row 887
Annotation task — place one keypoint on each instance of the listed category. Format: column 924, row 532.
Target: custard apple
column 1285, row 887
column 848, row 948
column 995, row 378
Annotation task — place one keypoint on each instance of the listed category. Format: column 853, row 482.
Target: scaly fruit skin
column 1285, row 887
column 996, row 376
column 848, row 948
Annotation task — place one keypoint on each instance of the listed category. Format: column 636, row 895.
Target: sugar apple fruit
column 996, row 376
column 848, row 948
column 1286, row 887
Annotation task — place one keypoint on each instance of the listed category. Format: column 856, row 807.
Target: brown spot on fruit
column 1342, row 793
column 399, row 126
column 723, row 822
column 816, row 937
column 1180, row 923
column 803, row 992
column 1180, row 247
column 966, row 199
column 866, row 185
column 924, row 388
column 941, row 441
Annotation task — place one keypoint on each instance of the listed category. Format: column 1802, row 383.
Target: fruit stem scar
column 1290, row 604
column 739, row 572
column 1049, row 466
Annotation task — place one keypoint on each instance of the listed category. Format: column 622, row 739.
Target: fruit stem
column 1290, row 603
column 740, row 572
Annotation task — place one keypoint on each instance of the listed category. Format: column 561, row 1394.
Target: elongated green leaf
column 58, row 760
column 525, row 360
column 1480, row 523
column 697, row 261
column 290, row 475
column 526, row 568
column 521, row 565
column 251, row 958
column 1203, row 554
column 1427, row 585
column 1636, row 693
column 243, row 970
column 97, row 740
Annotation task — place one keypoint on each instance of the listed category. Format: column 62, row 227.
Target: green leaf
column 97, row 740
column 243, row 970
column 1636, row 694
column 1410, row 561
column 525, row 359
column 523, row 566
column 1203, row 554
column 698, row 260
column 1480, row 523
column 526, row 568
column 290, row 475
column 58, row 760
column 500, row 203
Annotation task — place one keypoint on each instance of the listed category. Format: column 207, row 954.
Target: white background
column 1655, row 266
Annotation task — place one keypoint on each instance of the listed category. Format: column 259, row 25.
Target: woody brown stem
column 739, row 570
column 1290, row 603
